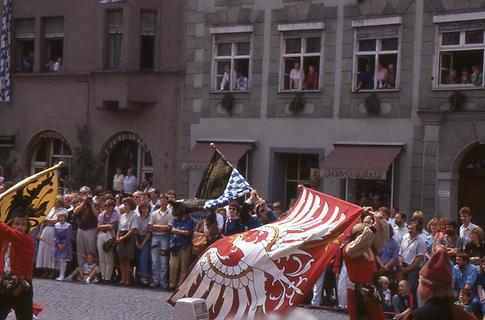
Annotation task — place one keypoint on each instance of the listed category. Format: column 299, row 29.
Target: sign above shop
column 370, row 174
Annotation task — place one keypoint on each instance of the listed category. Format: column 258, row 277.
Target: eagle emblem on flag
column 273, row 267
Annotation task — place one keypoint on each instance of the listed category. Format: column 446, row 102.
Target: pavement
column 75, row 301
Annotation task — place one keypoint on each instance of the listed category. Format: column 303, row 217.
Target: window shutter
column 381, row 32
column 148, row 23
column 462, row 26
column 115, row 21
column 25, row 29
column 233, row 37
column 54, row 28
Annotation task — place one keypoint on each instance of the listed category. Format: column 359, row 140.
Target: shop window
column 367, row 192
column 231, row 62
column 24, row 45
column 114, row 38
column 54, row 44
column 147, row 39
column 301, row 61
column 461, row 58
column 298, row 171
column 376, row 58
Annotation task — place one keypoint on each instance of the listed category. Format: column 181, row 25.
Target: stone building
column 116, row 68
column 370, row 100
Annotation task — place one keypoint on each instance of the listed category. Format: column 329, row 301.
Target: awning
column 201, row 153
column 360, row 161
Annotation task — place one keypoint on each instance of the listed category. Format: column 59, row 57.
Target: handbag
column 108, row 245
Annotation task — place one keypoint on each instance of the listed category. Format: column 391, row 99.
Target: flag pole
column 213, row 146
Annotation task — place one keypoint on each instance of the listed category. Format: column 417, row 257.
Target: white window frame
column 306, row 31
column 230, row 30
column 117, row 32
column 376, row 54
column 234, row 56
column 37, row 166
column 440, row 48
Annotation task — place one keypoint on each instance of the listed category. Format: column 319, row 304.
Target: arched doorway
column 127, row 150
column 471, row 190
column 46, row 149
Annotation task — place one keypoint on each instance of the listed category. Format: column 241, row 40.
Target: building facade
column 116, row 69
column 373, row 101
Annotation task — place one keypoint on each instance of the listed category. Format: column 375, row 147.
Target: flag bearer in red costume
column 16, row 266
column 360, row 259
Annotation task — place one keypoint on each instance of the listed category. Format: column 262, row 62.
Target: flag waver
column 273, row 267
column 37, row 193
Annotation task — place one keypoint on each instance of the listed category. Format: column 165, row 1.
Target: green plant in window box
column 228, row 101
column 372, row 104
column 297, row 104
column 457, row 101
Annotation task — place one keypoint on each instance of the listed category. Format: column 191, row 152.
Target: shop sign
column 370, row 174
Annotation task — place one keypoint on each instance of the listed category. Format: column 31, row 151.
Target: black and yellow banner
column 36, row 193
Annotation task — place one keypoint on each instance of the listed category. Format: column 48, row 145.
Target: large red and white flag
column 271, row 268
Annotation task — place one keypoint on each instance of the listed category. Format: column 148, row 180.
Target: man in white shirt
column 400, row 228
column 467, row 226
column 129, row 183
column 228, row 82
column 296, row 77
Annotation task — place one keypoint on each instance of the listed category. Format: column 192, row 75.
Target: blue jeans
column 143, row 260
column 160, row 256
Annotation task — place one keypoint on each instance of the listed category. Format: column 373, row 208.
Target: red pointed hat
column 438, row 267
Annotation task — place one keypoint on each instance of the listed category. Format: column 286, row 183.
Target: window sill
column 458, row 87
column 233, row 92
column 375, row 90
column 300, row 91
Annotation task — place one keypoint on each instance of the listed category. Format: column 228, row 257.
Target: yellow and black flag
column 36, row 193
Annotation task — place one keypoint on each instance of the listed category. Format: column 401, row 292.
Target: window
column 147, row 41
column 367, row 192
column 231, row 62
column 54, row 44
column 25, row 45
column 301, row 61
column 461, row 58
column 298, row 169
column 114, row 38
column 49, row 152
column 376, row 59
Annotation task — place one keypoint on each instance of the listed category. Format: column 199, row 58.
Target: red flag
column 271, row 268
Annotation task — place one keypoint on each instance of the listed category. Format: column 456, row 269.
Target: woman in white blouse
column 118, row 181
column 45, row 259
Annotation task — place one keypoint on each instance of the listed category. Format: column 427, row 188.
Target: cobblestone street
column 74, row 301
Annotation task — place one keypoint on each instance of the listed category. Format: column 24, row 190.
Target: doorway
column 471, row 190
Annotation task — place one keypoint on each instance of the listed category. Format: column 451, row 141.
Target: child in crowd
column 87, row 272
column 62, row 240
column 387, row 303
column 465, row 300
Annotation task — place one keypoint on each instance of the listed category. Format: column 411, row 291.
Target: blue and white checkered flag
column 5, row 51
column 236, row 187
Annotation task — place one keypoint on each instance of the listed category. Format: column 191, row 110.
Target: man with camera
column 87, row 215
